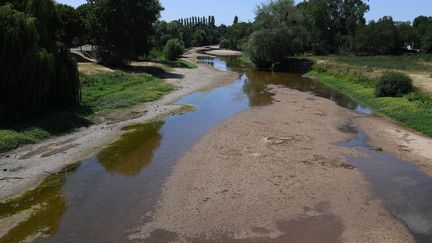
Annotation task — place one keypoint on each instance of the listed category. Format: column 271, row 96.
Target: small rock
column 348, row 166
column 5, row 169
column 7, row 156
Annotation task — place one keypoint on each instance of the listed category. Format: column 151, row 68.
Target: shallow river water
column 105, row 197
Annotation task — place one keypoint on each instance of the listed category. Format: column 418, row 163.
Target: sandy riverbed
column 272, row 174
column 23, row 168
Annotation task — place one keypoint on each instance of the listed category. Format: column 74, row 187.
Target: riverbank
column 269, row 175
column 23, row 168
column 412, row 111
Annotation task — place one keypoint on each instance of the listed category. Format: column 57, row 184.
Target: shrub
column 174, row 48
column 225, row 44
column 394, row 84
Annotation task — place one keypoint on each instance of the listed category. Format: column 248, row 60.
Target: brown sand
column 272, row 174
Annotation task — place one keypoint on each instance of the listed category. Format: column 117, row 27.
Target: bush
column 394, row 84
column 174, row 48
column 225, row 44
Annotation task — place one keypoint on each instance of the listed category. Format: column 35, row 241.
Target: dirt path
column 273, row 174
column 22, row 169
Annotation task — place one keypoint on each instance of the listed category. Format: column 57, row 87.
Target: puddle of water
column 109, row 194
column 404, row 188
column 322, row 229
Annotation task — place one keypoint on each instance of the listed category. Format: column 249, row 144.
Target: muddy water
column 405, row 190
column 107, row 196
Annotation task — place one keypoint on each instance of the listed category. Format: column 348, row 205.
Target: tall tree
column 280, row 33
column 123, row 30
column 379, row 37
column 236, row 20
column 334, row 23
column 35, row 74
column 71, row 25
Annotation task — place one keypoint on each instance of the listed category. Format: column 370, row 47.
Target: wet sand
column 273, row 174
column 24, row 168
column 402, row 142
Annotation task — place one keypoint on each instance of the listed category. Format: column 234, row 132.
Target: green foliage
column 225, row 44
column 423, row 26
column 333, row 23
column 101, row 93
column 158, row 56
column 71, row 25
column 394, row 84
column 193, row 31
column 123, row 34
column 200, row 38
column 236, row 36
column 280, row 33
column 379, row 37
column 427, row 42
column 236, row 20
column 36, row 76
column 109, row 91
column 413, row 110
column 87, row 33
column 173, row 50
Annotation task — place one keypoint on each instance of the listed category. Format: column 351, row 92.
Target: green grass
column 246, row 60
column 101, row 93
column 106, row 92
column 403, row 63
column 157, row 56
column 181, row 63
column 413, row 110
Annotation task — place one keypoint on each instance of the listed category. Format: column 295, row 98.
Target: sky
column 225, row 10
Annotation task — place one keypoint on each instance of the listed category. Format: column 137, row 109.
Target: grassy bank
column 414, row 63
column 101, row 93
column 157, row 56
column 413, row 110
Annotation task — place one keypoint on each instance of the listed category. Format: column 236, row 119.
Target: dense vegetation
column 283, row 30
column 36, row 74
column 38, row 77
column 280, row 33
column 174, row 48
column 41, row 92
column 123, row 34
column 101, row 93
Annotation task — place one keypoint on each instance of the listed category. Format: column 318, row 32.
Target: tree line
column 38, row 74
column 283, row 29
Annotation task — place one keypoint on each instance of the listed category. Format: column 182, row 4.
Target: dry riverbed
column 273, row 174
column 269, row 174
column 23, row 168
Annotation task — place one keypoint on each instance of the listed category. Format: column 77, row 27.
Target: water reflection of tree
column 134, row 151
column 45, row 206
column 255, row 85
